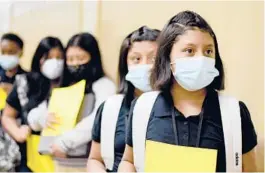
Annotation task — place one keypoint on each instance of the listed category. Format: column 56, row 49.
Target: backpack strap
column 109, row 120
column 231, row 121
column 141, row 115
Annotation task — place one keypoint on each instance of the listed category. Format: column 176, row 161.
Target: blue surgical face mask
column 139, row 76
column 8, row 62
column 195, row 73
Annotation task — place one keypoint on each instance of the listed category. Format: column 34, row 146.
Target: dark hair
column 88, row 43
column 161, row 76
column 43, row 49
column 39, row 86
column 13, row 37
column 143, row 33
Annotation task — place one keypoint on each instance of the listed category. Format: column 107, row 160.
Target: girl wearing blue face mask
column 11, row 46
column 187, row 109
column 137, row 54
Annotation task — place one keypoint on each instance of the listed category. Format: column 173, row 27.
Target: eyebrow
column 191, row 44
column 210, row 45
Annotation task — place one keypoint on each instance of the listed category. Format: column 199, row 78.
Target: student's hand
column 51, row 120
column 23, row 133
column 7, row 87
column 57, row 151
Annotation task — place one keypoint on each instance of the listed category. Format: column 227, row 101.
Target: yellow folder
column 161, row 157
column 3, row 96
column 65, row 103
column 35, row 161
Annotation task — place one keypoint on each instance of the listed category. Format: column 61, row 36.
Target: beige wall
column 239, row 28
column 238, row 25
column 36, row 20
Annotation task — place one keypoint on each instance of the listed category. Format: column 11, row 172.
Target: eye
column 189, row 51
column 209, row 52
column 136, row 59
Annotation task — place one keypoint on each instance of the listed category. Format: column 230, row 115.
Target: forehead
column 196, row 37
column 55, row 51
column 143, row 47
column 8, row 44
column 74, row 51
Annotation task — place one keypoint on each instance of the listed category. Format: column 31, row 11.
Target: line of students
column 29, row 97
column 182, row 63
column 187, row 76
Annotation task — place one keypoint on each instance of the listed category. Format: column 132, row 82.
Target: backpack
column 109, row 120
column 231, row 121
column 9, row 152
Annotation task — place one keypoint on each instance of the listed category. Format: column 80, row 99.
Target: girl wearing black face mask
column 83, row 61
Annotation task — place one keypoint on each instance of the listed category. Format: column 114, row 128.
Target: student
column 11, row 51
column 188, row 72
column 30, row 90
column 83, row 61
column 137, row 54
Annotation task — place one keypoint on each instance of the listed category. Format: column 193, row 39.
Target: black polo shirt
column 119, row 133
column 6, row 79
column 160, row 126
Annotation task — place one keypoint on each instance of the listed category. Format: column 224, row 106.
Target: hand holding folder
column 65, row 103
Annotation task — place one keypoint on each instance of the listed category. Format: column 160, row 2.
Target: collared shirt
column 6, row 79
column 160, row 127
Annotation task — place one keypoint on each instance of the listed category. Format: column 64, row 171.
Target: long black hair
column 88, row 43
column 39, row 85
column 143, row 33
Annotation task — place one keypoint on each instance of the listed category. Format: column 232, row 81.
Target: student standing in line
column 188, row 110
column 83, row 62
column 11, row 51
column 137, row 55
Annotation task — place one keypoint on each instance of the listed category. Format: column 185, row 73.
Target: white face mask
column 52, row 68
column 139, row 75
column 195, row 73
column 8, row 62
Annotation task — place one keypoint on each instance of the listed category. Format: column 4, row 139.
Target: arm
column 37, row 116
column 82, row 133
column 249, row 140
column 9, row 121
column 127, row 164
column 95, row 162
column 249, row 161
column 10, row 113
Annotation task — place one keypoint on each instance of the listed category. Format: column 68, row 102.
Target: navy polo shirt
column 6, row 79
column 160, row 126
column 119, row 133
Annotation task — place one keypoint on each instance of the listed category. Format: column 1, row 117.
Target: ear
column 42, row 61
